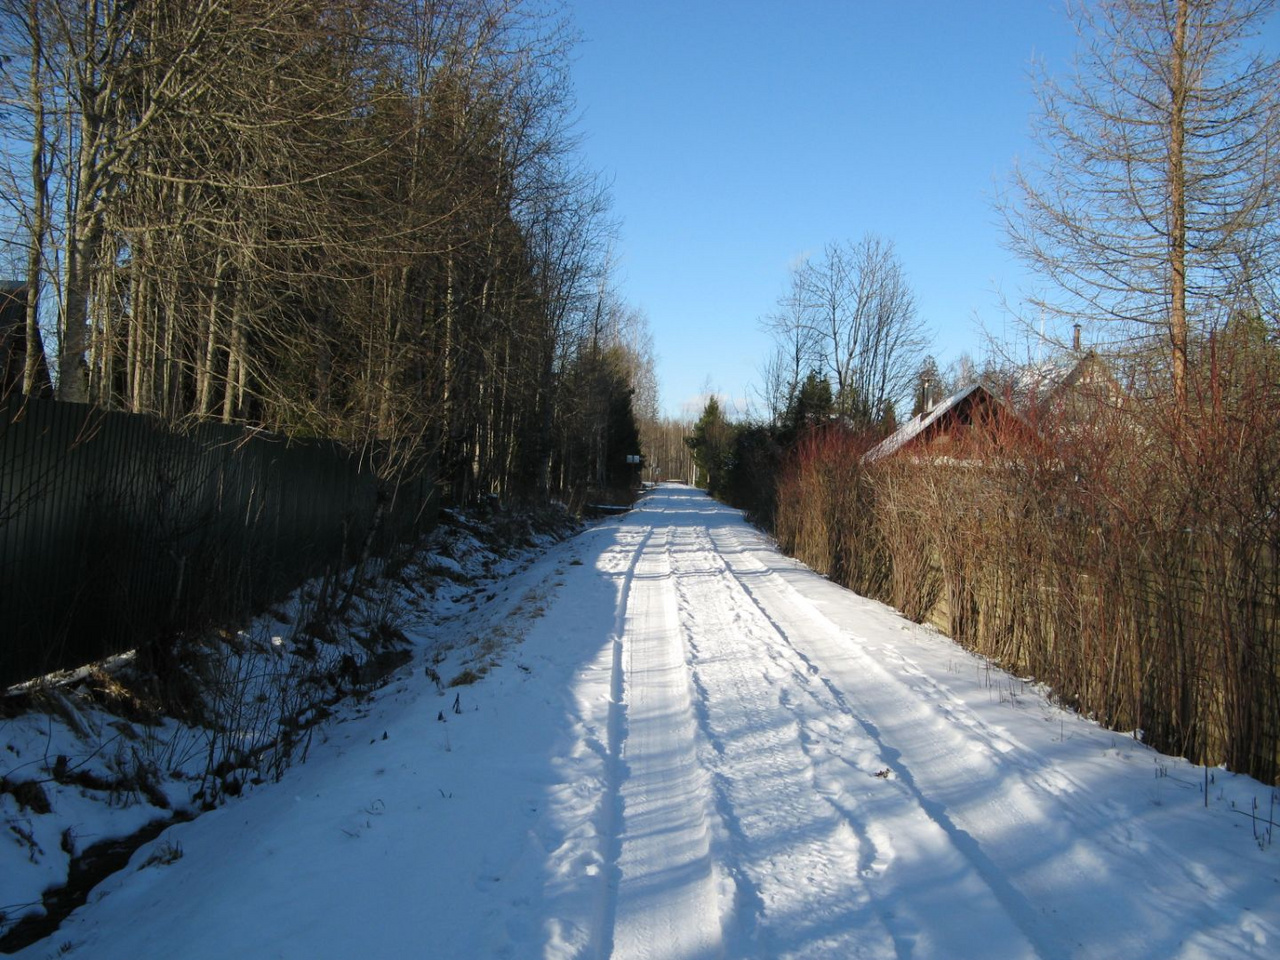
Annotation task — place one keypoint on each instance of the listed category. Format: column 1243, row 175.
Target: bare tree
column 861, row 314
column 797, row 344
column 1152, row 211
column 360, row 219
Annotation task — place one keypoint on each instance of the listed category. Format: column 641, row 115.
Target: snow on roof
column 917, row 425
column 1033, row 379
column 1034, row 383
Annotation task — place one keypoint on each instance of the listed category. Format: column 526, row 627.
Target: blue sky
column 741, row 136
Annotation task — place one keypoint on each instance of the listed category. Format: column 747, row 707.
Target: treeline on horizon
column 357, row 219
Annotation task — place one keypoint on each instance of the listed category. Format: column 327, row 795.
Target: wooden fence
column 116, row 529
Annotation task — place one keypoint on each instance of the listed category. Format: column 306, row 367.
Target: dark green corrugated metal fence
column 115, row 528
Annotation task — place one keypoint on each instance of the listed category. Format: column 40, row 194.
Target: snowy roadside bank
column 92, row 767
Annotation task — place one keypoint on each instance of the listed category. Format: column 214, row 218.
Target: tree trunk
column 33, row 384
column 1178, row 207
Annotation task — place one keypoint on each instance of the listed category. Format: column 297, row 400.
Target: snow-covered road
column 691, row 746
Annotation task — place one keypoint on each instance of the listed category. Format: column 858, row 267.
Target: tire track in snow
column 1048, row 802
column 611, row 807
column 742, row 918
column 668, row 892
column 1021, row 914
column 811, row 659
column 798, row 862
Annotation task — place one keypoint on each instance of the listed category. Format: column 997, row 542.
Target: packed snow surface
column 686, row 745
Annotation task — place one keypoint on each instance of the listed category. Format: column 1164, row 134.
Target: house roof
column 1037, row 384
column 921, row 422
column 1033, row 387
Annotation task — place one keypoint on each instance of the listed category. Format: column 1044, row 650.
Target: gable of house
column 1069, row 386
column 954, row 428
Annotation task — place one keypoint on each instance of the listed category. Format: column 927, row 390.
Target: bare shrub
column 825, row 512
column 1123, row 553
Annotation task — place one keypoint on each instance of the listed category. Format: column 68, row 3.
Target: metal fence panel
column 115, row 529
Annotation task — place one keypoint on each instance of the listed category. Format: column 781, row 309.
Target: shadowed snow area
column 694, row 747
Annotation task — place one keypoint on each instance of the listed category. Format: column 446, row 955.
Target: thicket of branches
column 1127, row 558
column 360, row 219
